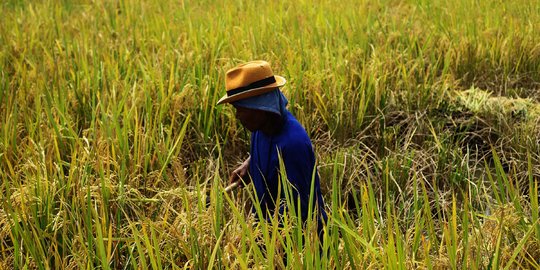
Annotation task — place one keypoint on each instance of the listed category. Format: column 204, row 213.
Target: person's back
column 294, row 147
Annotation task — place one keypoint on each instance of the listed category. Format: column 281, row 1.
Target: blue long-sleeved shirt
column 294, row 146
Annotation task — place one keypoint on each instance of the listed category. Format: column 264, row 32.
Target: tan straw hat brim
column 280, row 81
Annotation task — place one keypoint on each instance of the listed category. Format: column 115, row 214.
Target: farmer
column 253, row 90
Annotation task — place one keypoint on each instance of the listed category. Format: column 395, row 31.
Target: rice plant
column 423, row 115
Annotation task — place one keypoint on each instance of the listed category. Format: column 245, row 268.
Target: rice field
column 424, row 115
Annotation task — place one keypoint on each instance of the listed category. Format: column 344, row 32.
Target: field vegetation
column 424, row 114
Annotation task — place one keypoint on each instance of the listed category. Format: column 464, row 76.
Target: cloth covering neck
column 274, row 102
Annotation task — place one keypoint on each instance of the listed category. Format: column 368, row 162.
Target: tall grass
column 111, row 143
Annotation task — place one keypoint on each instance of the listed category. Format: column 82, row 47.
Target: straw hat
column 250, row 79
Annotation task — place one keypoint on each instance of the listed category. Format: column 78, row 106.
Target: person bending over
column 260, row 106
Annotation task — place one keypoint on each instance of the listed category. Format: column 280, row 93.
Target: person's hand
column 239, row 175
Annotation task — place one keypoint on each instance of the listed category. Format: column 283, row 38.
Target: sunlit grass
column 423, row 114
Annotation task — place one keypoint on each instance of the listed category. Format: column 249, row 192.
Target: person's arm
column 240, row 174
